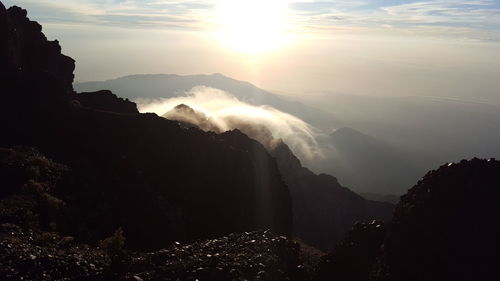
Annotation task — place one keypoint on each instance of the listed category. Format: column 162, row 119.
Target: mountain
column 156, row 180
column 323, row 210
column 354, row 157
column 442, row 229
column 32, row 248
column 352, row 259
column 385, row 168
column 419, row 131
column 434, row 130
column 153, row 86
column 90, row 189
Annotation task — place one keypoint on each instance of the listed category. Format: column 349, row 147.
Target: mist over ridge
column 225, row 112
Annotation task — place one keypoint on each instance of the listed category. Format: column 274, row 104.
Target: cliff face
column 36, row 77
column 33, row 64
column 155, row 179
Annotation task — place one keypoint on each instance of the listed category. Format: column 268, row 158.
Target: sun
column 252, row 26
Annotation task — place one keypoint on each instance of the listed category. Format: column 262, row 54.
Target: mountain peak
column 347, row 131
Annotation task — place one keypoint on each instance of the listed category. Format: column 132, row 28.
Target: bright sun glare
column 252, row 26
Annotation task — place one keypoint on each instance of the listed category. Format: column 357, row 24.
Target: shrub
column 114, row 244
column 34, row 187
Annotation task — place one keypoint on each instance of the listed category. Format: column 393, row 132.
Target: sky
column 308, row 48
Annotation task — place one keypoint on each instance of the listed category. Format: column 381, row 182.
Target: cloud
column 450, row 12
column 479, row 19
column 263, row 123
column 182, row 15
column 462, row 19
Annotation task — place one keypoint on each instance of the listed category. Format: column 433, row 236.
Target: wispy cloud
column 188, row 15
column 478, row 18
column 221, row 111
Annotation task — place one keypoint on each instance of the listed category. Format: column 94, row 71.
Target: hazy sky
column 442, row 48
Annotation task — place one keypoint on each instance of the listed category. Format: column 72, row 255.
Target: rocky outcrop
column 33, row 245
column 189, row 117
column 442, row 229
column 353, row 258
column 105, row 100
column 31, row 63
column 157, row 180
column 257, row 255
column 35, row 77
column 445, row 227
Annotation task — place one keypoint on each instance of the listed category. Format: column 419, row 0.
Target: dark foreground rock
column 258, row 255
column 28, row 254
column 106, row 101
column 323, row 209
column 353, row 258
column 446, row 227
column 35, row 245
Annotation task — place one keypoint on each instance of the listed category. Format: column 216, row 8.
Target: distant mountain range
column 383, row 168
column 375, row 145
column 153, row 86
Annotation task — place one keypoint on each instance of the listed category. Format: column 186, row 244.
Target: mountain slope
column 370, row 165
column 323, row 210
column 31, row 208
column 158, row 181
column 444, row 228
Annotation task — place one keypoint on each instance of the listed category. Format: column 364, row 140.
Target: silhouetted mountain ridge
column 443, row 229
column 385, row 168
column 323, row 210
column 106, row 101
column 155, row 179
column 153, row 86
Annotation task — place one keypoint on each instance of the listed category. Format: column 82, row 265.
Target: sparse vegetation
column 114, row 244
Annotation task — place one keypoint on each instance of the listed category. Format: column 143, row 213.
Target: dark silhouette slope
column 352, row 259
column 30, row 249
column 106, row 101
column 157, row 180
column 446, row 226
column 323, row 210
